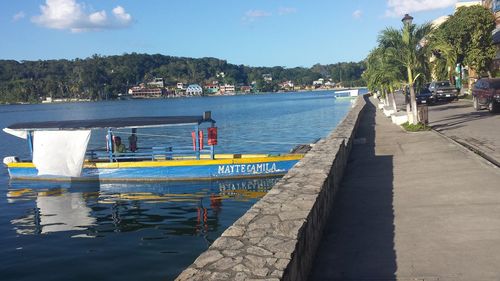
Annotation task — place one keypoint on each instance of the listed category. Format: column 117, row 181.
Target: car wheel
column 493, row 107
column 475, row 103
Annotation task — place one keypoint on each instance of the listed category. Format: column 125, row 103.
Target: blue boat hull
column 168, row 170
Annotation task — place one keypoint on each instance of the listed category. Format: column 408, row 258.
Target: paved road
column 479, row 130
column 412, row 206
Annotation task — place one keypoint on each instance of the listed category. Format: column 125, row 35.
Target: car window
column 495, row 84
column 424, row 90
column 443, row 84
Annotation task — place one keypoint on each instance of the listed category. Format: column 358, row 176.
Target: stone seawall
column 277, row 238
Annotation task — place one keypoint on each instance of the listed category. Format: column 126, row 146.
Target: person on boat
column 119, row 147
column 132, row 141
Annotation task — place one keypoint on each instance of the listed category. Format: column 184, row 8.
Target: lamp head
column 407, row 19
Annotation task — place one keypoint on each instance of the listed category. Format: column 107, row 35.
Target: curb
column 470, row 148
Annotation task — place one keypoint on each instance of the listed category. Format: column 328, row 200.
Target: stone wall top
column 277, row 238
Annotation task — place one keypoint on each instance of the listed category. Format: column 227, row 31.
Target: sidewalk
column 477, row 130
column 412, row 206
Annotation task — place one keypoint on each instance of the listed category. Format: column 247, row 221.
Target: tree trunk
column 386, row 97
column 393, row 99
column 413, row 99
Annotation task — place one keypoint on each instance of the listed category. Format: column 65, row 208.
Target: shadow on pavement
column 358, row 242
column 447, row 105
column 452, row 122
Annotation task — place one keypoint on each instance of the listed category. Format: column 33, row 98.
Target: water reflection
column 95, row 209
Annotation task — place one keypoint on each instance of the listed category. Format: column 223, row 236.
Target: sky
column 285, row 33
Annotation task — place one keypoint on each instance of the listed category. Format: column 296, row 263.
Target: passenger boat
column 59, row 151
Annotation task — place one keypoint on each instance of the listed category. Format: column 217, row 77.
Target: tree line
column 104, row 77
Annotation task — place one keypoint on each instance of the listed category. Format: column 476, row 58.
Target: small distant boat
column 347, row 94
column 59, row 152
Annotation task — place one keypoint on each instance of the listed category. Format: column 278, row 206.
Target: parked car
column 443, row 90
column 424, row 95
column 486, row 93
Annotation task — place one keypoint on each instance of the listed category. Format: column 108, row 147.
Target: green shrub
column 415, row 128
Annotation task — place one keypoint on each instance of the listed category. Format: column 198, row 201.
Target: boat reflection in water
column 92, row 209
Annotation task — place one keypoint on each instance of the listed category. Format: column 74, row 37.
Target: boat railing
column 151, row 153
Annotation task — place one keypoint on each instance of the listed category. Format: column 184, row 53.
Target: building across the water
column 227, row 89
column 141, row 92
column 246, row 89
column 211, row 88
column 157, row 82
column 194, row 90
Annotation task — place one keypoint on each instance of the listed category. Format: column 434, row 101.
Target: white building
column 330, row 84
column 287, row 85
column 318, row 82
column 194, row 90
column 467, row 4
column 227, row 89
column 437, row 22
column 157, row 82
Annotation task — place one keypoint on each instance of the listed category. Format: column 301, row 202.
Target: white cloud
column 98, row 18
column 396, row 8
column 71, row 15
column 121, row 15
column 357, row 14
column 286, row 10
column 18, row 16
column 253, row 15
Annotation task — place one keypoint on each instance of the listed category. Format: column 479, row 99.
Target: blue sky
column 251, row 32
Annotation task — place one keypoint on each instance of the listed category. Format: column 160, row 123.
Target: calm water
column 131, row 231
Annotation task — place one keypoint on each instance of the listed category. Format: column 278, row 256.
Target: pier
column 369, row 202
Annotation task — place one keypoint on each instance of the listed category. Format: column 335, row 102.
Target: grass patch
column 415, row 128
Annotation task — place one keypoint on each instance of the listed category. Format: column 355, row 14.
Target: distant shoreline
column 73, row 100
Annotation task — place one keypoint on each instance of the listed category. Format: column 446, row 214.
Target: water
column 132, row 231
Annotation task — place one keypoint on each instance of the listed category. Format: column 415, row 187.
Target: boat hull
column 168, row 170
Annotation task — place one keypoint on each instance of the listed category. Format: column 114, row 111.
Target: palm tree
column 445, row 57
column 382, row 73
column 408, row 49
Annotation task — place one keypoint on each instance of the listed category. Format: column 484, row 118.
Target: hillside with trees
column 104, row 77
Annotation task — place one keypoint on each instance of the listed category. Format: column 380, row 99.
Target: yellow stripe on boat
column 20, row 165
column 222, row 159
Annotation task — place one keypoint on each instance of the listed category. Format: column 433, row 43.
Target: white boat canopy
column 58, row 147
column 122, row 122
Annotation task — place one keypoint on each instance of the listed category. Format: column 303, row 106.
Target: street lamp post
column 412, row 107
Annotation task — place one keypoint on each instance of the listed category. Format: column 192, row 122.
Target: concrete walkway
column 478, row 130
column 412, row 206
